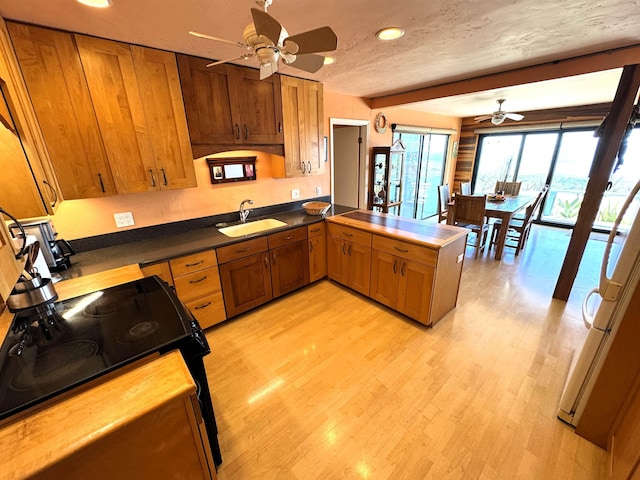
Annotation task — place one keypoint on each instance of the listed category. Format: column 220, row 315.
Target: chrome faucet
column 245, row 213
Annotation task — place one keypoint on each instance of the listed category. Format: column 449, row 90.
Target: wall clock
column 381, row 122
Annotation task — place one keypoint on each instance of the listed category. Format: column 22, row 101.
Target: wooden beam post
column 603, row 163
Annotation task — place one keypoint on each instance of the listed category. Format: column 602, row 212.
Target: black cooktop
column 85, row 337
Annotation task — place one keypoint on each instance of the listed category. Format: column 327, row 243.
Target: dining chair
column 519, row 228
column 509, row 188
column 469, row 212
column 444, row 198
column 465, row 188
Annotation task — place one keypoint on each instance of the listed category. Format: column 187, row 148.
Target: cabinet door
column 246, row 283
column 317, row 257
column 161, row 269
column 293, row 117
column 211, row 115
column 289, row 267
column 260, row 106
column 336, row 263
column 415, row 290
column 113, row 85
column 52, row 70
column 313, row 127
column 358, row 267
column 385, row 269
column 157, row 75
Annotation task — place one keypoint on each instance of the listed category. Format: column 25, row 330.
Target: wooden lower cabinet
column 317, row 251
column 624, row 442
column 162, row 270
column 197, row 283
column 401, row 284
column 289, row 267
column 349, row 257
column 246, row 283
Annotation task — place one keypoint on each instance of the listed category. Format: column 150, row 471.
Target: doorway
column 349, row 160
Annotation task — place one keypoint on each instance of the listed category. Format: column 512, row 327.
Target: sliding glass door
column 423, row 171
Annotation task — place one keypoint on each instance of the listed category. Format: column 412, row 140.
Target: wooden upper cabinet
column 112, row 82
column 230, row 107
column 159, row 85
column 55, row 80
column 302, row 106
column 138, row 103
column 260, row 106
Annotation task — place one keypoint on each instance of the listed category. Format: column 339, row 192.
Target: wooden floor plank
column 327, row 384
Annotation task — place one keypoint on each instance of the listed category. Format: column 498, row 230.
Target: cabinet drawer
column 316, row 229
column 197, row 284
column 286, row 237
column 161, row 269
column 406, row 250
column 242, row 249
column 208, row 310
column 351, row 234
column 193, row 263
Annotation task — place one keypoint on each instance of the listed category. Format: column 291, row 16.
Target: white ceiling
column 444, row 41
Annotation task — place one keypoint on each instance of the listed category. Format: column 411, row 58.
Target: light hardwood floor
column 326, row 384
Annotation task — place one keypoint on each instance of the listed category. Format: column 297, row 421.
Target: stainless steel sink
column 252, row 227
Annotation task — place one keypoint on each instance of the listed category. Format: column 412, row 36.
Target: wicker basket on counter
column 316, row 208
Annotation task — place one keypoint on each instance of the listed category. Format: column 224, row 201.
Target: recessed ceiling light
column 329, row 60
column 96, row 3
column 390, row 33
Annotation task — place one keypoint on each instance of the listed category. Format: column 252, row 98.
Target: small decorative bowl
column 316, row 208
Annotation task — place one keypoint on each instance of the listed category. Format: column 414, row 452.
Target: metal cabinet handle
column 101, row 183
column 350, row 249
column 304, row 166
column 273, row 258
column 200, row 307
column 236, row 127
column 289, row 237
column 344, row 245
column 279, row 127
column 266, row 261
column 55, row 193
column 153, row 179
column 246, row 132
column 314, row 230
column 199, row 280
column 193, row 264
column 395, row 266
column 404, row 269
column 310, row 247
column 243, row 250
column 401, row 249
column 309, row 166
column 164, row 176
column 347, row 234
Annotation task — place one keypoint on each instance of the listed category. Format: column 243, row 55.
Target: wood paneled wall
column 469, row 140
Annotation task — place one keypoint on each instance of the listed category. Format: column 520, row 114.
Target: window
column 561, row 158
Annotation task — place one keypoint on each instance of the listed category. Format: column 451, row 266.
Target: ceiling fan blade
column 231, row 42
column 266, row 25
column 482, row 118
column 268, row 69
column 514, row 116
column 321, row 39
column 308, row 62
column 241, row 57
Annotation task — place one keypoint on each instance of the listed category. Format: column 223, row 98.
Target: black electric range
column 88, row 336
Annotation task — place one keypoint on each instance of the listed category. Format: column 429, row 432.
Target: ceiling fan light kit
column 269, row 42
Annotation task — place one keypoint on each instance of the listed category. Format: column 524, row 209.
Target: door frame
column 363, row 167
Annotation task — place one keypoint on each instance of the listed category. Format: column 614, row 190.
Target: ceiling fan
column 499, row 116
column 268, row 40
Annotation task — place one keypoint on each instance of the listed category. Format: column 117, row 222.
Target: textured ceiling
column 444, row 41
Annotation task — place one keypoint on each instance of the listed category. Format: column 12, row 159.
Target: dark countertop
column 146, row 252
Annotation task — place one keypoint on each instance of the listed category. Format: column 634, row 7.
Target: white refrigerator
column 604, row 306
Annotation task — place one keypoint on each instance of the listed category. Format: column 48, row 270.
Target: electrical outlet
column 295, row 193
column 124, row 219
column 318, row 190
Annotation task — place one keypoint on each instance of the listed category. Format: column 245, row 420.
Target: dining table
column 505, row 210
